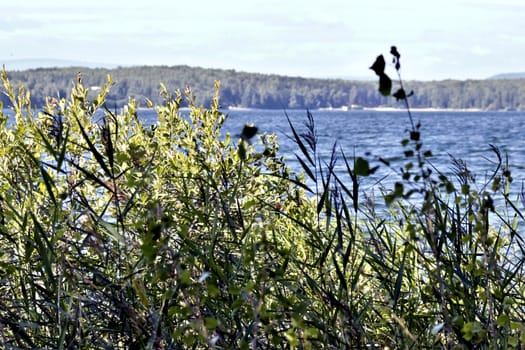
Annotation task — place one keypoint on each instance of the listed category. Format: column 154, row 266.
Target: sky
column 446, row 39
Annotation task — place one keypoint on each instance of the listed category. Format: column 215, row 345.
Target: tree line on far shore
column 253, row 90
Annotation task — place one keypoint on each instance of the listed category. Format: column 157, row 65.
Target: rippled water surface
column 464, row 135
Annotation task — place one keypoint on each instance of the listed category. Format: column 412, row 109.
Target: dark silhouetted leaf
column 248, row 131
column 108, row 143
column 400, row 94
column 385, row 85
column 306, row 168
column 488, row 204
column 362, row 167
column 397, row 55
column 394, row 52
column 322, row 201
column 414, row 135
column 398, row 189
column 379, row 65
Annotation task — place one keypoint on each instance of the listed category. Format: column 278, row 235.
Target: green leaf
column 503, row 320
column 291, row 336
column 399, row 279
column 48, row 181
column 211, row 322
column 241, row 150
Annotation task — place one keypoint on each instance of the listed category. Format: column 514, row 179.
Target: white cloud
column 478, row 50
column 310, row 38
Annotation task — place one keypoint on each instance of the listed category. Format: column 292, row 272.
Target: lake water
column 372, row 134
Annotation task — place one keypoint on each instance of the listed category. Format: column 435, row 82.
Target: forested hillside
column 267, row 91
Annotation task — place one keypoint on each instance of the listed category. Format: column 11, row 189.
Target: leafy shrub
column 115, row 234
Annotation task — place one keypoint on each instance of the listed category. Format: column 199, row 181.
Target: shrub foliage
column 115, row 234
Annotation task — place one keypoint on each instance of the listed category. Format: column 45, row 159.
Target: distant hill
column 253, row 90
column 506, row 76
column 32, row 63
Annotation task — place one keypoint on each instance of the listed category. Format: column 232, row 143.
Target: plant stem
column 407, row 105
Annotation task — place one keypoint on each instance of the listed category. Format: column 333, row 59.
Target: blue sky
column 323, row 38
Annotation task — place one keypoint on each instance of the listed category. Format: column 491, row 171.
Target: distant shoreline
column 415, row 109
column 429, row 109
column 376, row 109
column 371, row 109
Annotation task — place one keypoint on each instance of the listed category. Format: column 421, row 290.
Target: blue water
column 374, row 134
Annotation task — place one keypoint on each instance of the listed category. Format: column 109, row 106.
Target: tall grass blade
column 354, row 194
column 341, row 277
column 299, row 142
column 45, row 249
column 98, row 157
column 399, row 279
column 48, row 182
column 306, row 168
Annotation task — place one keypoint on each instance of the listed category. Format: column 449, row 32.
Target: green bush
column 115, row 234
